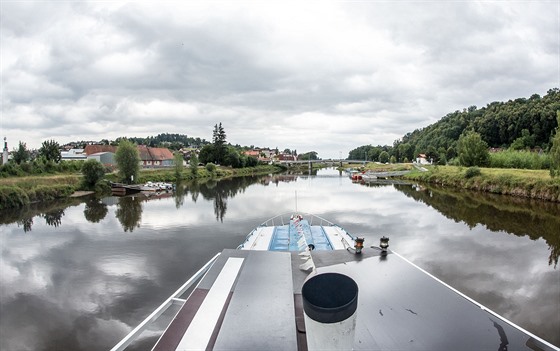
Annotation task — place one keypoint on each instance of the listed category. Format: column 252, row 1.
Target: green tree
column 219, row 141
column 450, row 153
column 311, row 155
column 525, row 141
column 393, row 159
column 178, row 161
column 432, row 154
column 473, row 151
column 128, row 161
column 251, row 161
column 21, row 154
column 555, row 151
column 93, row 172
column 232, row 158
column 193, row 164
column 50, row 150
column 207, row 154
column 384, row 157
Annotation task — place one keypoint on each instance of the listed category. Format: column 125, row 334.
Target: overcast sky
column 311, row 76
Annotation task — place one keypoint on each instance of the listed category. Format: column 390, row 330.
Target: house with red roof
column 149, row 156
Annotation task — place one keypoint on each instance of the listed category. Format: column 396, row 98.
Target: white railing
column 173, row 299
column 285, row 218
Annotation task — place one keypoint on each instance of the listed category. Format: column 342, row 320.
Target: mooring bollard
column 330, row 301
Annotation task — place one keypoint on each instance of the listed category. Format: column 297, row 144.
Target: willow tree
column 128, row 161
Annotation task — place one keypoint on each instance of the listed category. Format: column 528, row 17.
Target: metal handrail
column 270, row 221
column 127, row 340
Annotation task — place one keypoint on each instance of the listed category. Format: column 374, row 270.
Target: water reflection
column 539, row 219
column 79, row 286
column 54, row 217
column 95, row 210
column 26, row 223
column 217, row 191
column 51, row 211
column 129, row 212
column 179, row 195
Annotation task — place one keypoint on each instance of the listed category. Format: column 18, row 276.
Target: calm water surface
column 80, row 274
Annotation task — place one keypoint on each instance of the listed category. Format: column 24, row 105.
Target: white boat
column 157, row 186
column 300, row 282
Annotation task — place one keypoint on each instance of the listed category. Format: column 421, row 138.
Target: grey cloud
column 259, row 66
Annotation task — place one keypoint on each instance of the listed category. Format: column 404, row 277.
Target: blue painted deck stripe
column 286, row 237
column 321, row 239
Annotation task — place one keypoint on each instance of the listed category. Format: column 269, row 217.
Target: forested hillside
column 521, row 123
column 172, row 141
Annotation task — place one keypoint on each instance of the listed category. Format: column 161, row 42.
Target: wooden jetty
column 119, row 189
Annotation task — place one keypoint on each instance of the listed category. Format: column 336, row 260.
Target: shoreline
column 530, row 184
column 20, row 192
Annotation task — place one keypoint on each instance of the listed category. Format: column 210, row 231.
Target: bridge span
column 325, row 161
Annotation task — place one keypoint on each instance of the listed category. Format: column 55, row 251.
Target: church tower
column 5, row 152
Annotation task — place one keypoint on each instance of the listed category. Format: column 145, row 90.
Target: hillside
column 523, row 122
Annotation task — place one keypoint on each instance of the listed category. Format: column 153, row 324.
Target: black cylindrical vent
column 330, row 297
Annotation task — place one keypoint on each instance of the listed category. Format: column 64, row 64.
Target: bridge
column 330, row 161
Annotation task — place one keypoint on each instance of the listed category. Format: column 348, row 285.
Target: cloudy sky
column 321, row 76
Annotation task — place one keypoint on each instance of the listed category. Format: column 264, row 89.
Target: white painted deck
column 260, row 239
column 199, row 332
column 336, row 235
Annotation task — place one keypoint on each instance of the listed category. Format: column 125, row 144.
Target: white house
column 423, row 160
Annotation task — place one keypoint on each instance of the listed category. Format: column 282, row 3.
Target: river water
column 80, row 274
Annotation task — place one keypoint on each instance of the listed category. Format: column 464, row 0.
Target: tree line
column 520, row 124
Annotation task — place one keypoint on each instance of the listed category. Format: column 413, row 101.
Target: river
column 81, row 273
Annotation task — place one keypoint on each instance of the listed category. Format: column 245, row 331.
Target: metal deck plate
column 402, row 308
column 261, row 313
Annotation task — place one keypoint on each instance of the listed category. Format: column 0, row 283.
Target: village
column 150, row 157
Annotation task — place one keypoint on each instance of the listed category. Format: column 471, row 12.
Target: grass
column 535, row 184
column 29, row 182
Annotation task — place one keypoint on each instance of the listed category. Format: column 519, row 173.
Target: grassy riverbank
column 22, row 191
column 533, row 184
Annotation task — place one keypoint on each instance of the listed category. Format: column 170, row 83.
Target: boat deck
column 296, row 236
column 251, row 300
